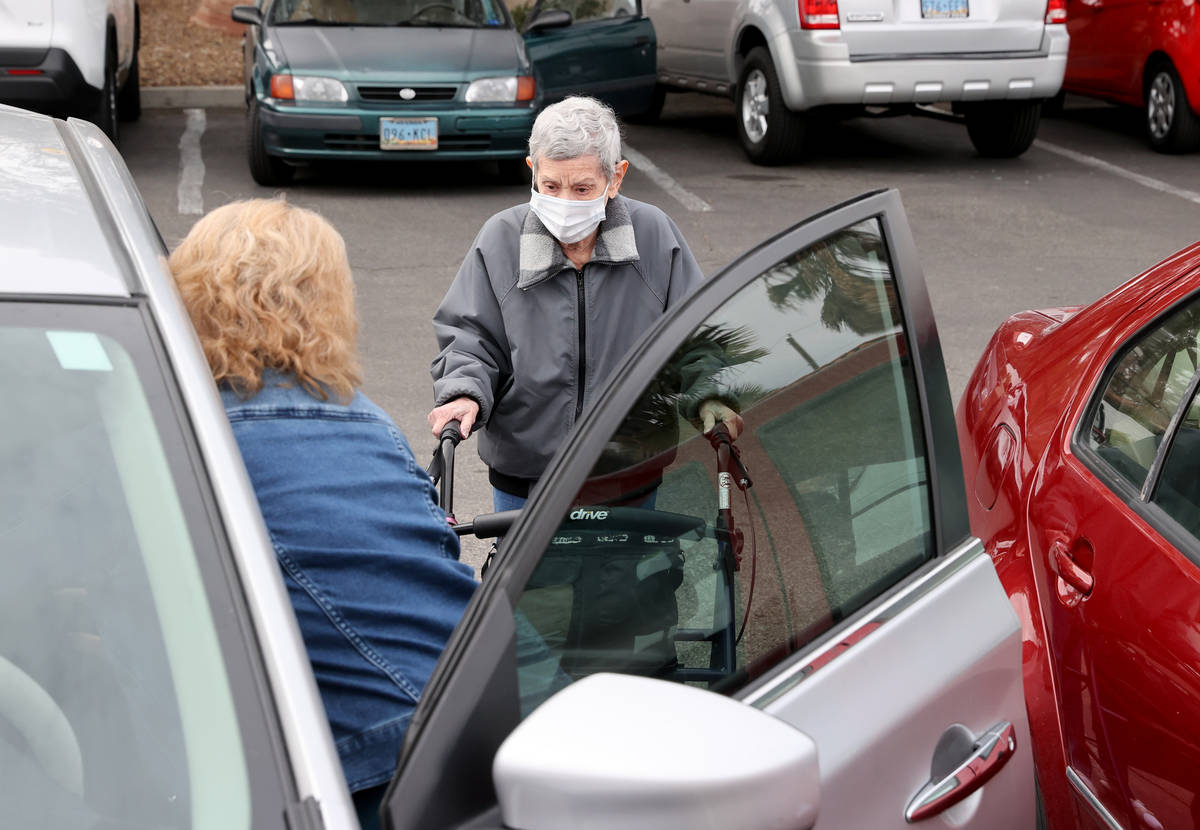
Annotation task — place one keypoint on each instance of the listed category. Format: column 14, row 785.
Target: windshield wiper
column 433, row 25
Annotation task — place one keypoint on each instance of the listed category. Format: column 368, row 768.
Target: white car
column 72, row 57
column 786, row 62
column 794, row 630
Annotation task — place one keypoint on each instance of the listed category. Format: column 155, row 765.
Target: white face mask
column 568, row 220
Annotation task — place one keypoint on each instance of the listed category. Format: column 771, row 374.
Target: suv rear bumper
column 59, row 88
column 816, row 71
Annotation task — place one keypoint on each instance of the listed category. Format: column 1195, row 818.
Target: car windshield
column 452, row 13
column 117, row 706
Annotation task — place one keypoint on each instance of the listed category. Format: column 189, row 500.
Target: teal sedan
column 415, row 80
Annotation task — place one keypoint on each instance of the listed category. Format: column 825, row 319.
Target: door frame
column 444, row 780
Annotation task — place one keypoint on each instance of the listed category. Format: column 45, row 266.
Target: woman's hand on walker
column 464, row 410
column 713, row 411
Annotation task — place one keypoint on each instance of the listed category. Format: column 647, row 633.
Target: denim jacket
column 370, row 564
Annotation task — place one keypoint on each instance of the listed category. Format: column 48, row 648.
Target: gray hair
column 576, row 127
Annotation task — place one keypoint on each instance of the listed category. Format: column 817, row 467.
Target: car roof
column 61, row 226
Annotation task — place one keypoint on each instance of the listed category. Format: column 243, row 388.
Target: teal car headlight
column 506, row 90
column 308, row 88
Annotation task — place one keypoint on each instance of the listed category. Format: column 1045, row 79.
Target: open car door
column 601, row 48
column 790, row 629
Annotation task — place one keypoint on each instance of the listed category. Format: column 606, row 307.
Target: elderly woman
column 550, row 297
column 369, row 561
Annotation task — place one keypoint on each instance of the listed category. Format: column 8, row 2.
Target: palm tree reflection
column 848, row 272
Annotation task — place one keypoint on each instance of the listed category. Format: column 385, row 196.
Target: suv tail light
column 823, row 14
column 1056, row 11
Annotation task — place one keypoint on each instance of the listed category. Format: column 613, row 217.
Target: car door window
column 703, row 561
column 585, row 10
column 125, row 695
column 1178, row 489
column 1141, row 393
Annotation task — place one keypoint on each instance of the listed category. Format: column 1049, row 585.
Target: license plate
column 945, row 8
column 408, row 133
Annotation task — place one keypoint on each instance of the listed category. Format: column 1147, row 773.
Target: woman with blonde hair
column 369, row 561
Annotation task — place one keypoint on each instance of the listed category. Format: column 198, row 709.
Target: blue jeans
column 502, row 501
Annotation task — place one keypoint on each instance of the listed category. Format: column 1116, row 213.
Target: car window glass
column 115, row 707
column 1142, row 392
column 665, row 566
column 584, row 10
column 1178, row 489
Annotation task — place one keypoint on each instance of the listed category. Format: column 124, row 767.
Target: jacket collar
column 542, row 257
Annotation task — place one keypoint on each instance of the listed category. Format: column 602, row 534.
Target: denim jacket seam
column 339, row 622
column 259, row 413
column 358, row 739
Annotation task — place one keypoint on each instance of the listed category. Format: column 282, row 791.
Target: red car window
column 1143, row 391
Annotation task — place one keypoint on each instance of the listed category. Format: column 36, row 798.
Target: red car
column 1145, row 53
column 1080, row 436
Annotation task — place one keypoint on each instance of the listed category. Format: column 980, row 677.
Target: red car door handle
column 990, row 753
column 1070, row 571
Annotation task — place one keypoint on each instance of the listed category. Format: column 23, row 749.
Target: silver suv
column 787, row 61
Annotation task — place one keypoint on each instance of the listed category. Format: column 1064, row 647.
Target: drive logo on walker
column 581, row 513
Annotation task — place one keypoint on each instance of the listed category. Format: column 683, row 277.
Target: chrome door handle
column 1069, row 571
column 990, row 753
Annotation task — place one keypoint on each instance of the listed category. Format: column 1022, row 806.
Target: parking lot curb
column 183, row 97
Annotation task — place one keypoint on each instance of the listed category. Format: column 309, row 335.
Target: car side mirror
column 550, row 19
column 614, row 750
column 247, row 14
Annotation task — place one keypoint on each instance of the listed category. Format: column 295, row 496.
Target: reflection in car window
column 115, row 709
column 1178, row 489
column 695, row 559
column 584, row 10
column 453, row 13
column 1142, row 392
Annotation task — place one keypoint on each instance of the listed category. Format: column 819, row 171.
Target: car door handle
column 990, row 753
column 641, row 41
column 1070, row 571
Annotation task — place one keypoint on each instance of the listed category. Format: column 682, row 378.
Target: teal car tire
column 265, row 169
column 514, row 171
column 650, row 115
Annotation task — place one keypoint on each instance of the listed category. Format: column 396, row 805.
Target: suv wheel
column 770, row 132
column 1171, row 126
column 267, row 170
column 1003, row 129
column 105, row 116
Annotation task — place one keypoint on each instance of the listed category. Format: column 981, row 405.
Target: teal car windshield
column 438, row 13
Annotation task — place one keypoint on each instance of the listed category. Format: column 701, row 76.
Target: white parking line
column 1101, row 164
column 661, row 178
column 191, row 164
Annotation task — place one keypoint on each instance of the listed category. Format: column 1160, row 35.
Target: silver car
column 787, row 63
column 790, row 630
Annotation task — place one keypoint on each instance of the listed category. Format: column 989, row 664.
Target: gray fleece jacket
column 531, row 338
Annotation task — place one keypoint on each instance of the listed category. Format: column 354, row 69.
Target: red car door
column 1105, row 46
column 1112, row 523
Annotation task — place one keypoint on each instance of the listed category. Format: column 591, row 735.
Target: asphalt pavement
column 1082, row 211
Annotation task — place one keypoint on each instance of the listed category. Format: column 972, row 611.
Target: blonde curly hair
column 268, row 286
